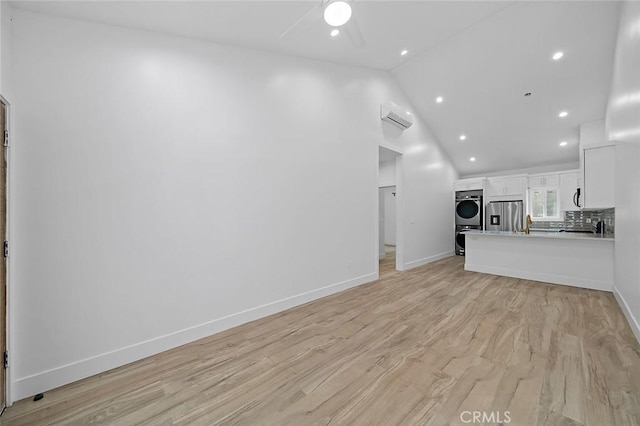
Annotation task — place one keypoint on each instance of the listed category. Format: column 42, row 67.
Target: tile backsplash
column 582, row 221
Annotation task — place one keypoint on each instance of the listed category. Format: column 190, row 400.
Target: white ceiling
column 480, row 55
column 387, row 27
column 484, row 72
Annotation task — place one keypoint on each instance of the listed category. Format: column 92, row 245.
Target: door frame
column 399, row 208
column 395, row 199
column 7, row 377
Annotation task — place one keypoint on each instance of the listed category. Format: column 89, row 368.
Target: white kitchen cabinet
column 512, row 187
column 568, row 186
column 515, row 186
column 468, row 184
column 496, row 187
column 598, row 177
column 544, row 181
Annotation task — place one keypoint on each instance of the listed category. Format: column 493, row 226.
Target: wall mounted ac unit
column 392, row 113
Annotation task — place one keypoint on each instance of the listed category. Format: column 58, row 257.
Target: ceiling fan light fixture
column 337, row 13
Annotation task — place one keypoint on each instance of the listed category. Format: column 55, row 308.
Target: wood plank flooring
column 387, row 265
column 414, row 348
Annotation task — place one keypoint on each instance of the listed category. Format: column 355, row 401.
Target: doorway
column 4, row 132
column 389, row 241
column 387, row 237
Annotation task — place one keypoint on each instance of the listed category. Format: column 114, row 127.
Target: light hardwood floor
column 416, row 347
column 387, row 265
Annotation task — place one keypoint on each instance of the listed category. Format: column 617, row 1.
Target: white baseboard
column 46, row 380
column 632, row 320
column 541, row 276
column 420, row 262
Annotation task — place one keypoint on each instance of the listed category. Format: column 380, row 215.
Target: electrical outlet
column 588, row 220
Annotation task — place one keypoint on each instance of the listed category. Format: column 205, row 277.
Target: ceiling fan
column 337, row 14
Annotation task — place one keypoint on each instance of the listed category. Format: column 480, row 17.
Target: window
column 543, row 204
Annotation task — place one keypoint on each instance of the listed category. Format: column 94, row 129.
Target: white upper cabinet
column 597, row 159
column 515, row 186
column 512, row 187
column 544, row 181
column 598, row 177
column 568, row 191
column 468, row 184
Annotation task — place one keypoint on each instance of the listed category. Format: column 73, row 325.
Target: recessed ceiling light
column 463, row 137
column 404, row 52
column 558, row 55
column 472, row 159
column 439, row 99
column 337, row 13
column 335, row 32
column 563, row 143
column 563, row 114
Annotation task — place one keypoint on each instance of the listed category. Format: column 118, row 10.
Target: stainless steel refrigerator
column 504, row 216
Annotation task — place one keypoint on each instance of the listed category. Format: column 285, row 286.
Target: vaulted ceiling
column 483, row 74
column 480, row 56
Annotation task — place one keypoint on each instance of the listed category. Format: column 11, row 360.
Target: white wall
column 623, row 125
column 3, row 30
column 5, row 46
column 387, row 173
column 627, row 244
column 426, row 199
column 592, row 134
column 3, row 12
column 125, row 243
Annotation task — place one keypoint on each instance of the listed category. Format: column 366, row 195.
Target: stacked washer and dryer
column 468, row 215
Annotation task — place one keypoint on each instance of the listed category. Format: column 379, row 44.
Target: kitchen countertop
column 579, row 260
column 543, row 234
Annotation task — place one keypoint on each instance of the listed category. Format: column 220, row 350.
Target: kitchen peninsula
column 574, row 259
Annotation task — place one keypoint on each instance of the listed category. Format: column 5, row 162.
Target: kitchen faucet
column 529, row 222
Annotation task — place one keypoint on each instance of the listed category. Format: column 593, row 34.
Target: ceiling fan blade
column 307, row 15
column 353, row 31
